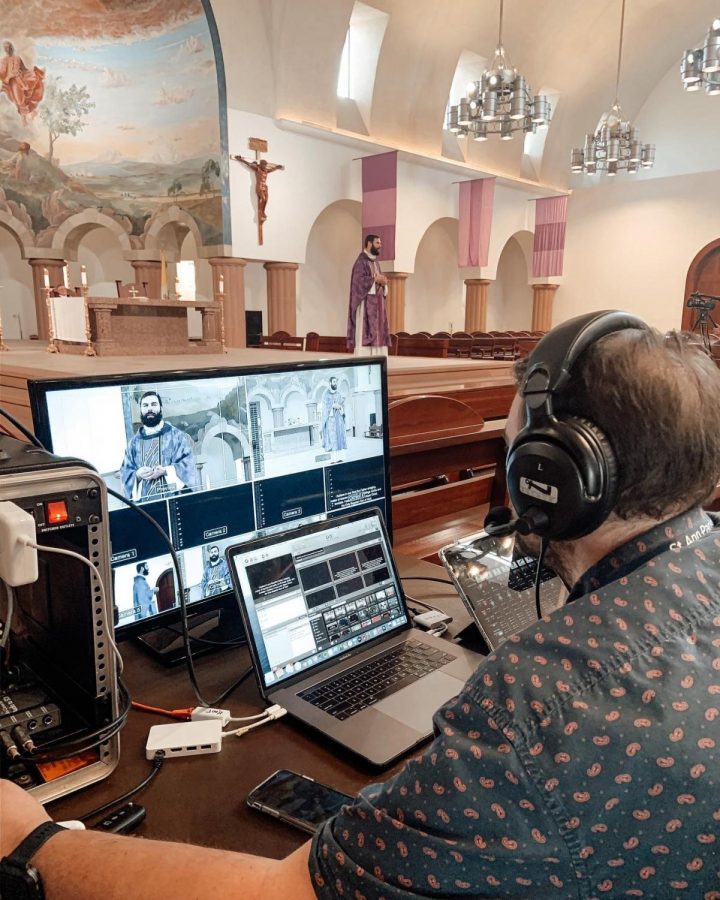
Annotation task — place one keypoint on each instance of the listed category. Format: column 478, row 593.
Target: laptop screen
column 317, row 592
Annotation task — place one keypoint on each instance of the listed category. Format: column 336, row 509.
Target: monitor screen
column 218, row 456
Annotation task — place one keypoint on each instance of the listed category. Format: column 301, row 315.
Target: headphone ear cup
column 606, row 462
column 567, row 470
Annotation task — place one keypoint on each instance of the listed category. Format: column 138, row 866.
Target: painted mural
column 111, row 105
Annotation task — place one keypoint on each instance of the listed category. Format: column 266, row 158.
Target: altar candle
column 83, row 276
column 221, row 285
column 46, row 278
column 65, row 276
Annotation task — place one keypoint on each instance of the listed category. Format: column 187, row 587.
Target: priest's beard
column 151, row 419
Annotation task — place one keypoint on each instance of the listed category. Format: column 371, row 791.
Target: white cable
column 8, row 618
column 271, row 710
column 271, row 717
column 96, row 574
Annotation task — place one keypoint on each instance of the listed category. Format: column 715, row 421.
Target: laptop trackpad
column 414, row 705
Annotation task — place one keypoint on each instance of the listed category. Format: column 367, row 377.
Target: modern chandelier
column 501, row 103
column 701, row 67
column 615, row 146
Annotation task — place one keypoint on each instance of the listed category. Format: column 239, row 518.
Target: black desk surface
column 201, row 799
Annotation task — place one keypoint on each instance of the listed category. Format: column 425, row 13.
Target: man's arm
column 81, row 865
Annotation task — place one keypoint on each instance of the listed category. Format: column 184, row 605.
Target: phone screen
column 297, row 799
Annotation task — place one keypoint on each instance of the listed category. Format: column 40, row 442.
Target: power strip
column 185, row 738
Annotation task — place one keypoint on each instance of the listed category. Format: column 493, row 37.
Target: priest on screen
column 367, row 329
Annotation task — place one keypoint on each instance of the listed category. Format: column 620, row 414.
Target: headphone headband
column 552, row 360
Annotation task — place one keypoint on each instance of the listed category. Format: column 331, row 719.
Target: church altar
column 129, row 326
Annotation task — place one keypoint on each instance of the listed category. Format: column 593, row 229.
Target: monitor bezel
column 39, row 388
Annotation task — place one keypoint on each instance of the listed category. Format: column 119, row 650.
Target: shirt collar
column 684, row 530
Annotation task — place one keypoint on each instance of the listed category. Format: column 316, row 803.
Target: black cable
column 189, row 662
column 538, row 571
column 239, row 642
column 22, row 429
column 234, row 687
column 157, row 763
column 425, row 578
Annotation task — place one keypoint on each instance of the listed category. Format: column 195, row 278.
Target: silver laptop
column 496, row 581
column 331, row 640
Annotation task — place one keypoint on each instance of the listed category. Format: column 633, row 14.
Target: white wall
column 630, row 244
column 324, row 280
column 17, row 304
column 434, row 294
column 510, row 297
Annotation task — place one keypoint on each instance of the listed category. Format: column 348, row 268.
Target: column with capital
column 476, row 300
column 55, row 277
column 281, row 296
column 543, row 298
column 232, row 296
column 396, row 300
column 147, row 272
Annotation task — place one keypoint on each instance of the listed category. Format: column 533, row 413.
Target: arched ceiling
column 295, row 48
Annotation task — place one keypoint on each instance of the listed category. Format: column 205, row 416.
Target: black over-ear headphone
column 561, row 470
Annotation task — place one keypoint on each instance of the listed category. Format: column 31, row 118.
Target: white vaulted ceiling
column 282, row 59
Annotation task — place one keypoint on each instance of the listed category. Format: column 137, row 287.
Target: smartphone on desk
column 297, row 800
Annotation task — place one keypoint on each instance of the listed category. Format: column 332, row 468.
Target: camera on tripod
column 705, row 302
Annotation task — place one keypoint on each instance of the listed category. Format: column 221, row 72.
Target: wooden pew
column 436, row 439
column 417, row 345
column 326, row 343
column 281, row 340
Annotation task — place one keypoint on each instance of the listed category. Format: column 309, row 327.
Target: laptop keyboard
column 364, row 685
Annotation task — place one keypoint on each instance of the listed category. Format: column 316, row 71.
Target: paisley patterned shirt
column 580, row 760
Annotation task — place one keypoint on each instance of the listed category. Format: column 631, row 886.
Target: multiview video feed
column 218, row 459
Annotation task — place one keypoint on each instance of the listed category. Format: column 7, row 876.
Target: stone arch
column 295, row 387
column 69, row 234
column 165, row 231
column 233, row 435
column 510, row 296
column 22, row 234
column 526, row 239
column 332, row 244
column 233, row 438
column 262, row 395
column 435, row 292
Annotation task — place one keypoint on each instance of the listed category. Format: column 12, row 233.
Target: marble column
column 55, row 271
column 396, row 300
column 281, row 296
column 543, row 297
column 147, row 272
column 232, row 270
column 476, row 300
column 278, row 414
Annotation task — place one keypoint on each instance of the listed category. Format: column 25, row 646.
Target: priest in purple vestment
column 159, row 460
column 367, row 330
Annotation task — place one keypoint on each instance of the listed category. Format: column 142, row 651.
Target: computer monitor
column 217, row 456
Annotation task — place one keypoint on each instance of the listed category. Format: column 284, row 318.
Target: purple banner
column 379, row 212
column 549, row 242
column 476, row 210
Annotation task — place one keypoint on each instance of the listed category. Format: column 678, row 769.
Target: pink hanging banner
column 549, row 243
column 476, row 210
column 379, row 210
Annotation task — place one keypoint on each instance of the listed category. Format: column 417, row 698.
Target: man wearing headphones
column 580, row 760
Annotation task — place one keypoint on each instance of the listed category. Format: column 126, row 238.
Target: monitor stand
column 165, row 643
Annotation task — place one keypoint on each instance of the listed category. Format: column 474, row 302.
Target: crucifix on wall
column 262, row 168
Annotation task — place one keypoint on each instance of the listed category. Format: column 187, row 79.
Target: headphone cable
column 543, row 547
